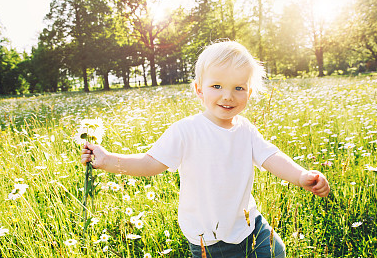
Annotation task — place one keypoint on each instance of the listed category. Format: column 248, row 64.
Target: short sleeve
column 262, row 149
column 168, row 149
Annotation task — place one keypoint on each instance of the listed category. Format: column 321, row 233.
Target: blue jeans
column 262, row 247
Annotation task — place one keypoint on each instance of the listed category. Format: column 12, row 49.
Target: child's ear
column 199, row 91
column 250, row 91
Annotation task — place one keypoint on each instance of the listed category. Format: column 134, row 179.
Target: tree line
column 87, row 39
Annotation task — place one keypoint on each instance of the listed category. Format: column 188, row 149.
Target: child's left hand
column 315, row 182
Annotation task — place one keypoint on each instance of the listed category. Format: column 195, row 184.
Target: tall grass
column 325, row 124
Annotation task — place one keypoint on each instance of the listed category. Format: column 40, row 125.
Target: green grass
column 312, row 120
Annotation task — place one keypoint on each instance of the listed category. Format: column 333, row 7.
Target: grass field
column 325, row 124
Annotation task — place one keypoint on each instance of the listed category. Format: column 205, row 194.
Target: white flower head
column 133, row 237
column 129, row 211
column 166, row 251
column 147, row 255
column 91, row 130
column 139, row 224
column 151, row 195
column 3, row 231
column 70, row 242
column 104, row 238
column 18, row 191
column 126, row 197
column 167, row 233
column 356, row 224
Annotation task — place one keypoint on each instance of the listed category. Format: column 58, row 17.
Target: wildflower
column 147, row 255
column 131, row 182
column 166, row 251
column 349, row 145
column 104, row 238
column 356, row 224
column 126, row 197
column 3, row 231
column 353, row 183
column 91, row 130
column 139, row 224
column 106, row 248
column 327, row 164
column 167, row 233
column 273, row 138
column 70, row 242
column 114, row 186
column 19, row 189
column 370, row 168
column 150, row 195
column 133, row 237
column 129, row 211
column 94, row 221
column 284, row 183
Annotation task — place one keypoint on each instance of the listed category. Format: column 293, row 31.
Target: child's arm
column 284, row 167
column 135, row 164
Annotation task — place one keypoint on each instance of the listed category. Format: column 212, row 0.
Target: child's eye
column 239, row 88
column 216, row 86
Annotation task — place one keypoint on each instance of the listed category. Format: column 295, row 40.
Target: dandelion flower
column 151, row 195
column 70, row 242
column 356, row 224
column 3, row 231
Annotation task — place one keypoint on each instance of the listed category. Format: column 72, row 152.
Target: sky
column 22, row 21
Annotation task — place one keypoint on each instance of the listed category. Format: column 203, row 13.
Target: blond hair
column 234, row 54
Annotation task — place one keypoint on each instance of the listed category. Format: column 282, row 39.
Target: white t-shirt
column 216, row 175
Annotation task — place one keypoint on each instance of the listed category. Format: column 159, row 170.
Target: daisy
column 129, row 211
column 18, row 191
column 147, row 255
column 166, row 251
column 133, row 237
column 167, row 233
column 151, row 195
column 284, row 183
column 139, row 224
column 104, row 238
column 70, row 242
column 126, row 197
column 3, row 231
column 356, row 224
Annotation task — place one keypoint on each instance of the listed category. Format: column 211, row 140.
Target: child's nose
column 227, row 95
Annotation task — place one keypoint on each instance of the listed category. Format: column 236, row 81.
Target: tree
column 10, row 76
column 73, row 23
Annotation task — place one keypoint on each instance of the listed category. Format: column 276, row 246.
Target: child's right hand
column 95, row 154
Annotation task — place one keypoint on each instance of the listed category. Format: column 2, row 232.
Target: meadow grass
column 324, row 124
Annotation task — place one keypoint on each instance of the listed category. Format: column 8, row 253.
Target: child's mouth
column 226, row 106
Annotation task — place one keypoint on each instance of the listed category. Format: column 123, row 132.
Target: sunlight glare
column 328, row 10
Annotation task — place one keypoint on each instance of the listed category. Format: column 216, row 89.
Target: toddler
column 215, row 153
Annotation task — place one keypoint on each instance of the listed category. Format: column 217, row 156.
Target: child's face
column 224, row 92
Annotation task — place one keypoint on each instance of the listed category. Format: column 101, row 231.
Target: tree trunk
column 153, row 68
column 85, row 76
column 319, row 57
column 126, row 78
column 106, row 85
column 144, row 75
